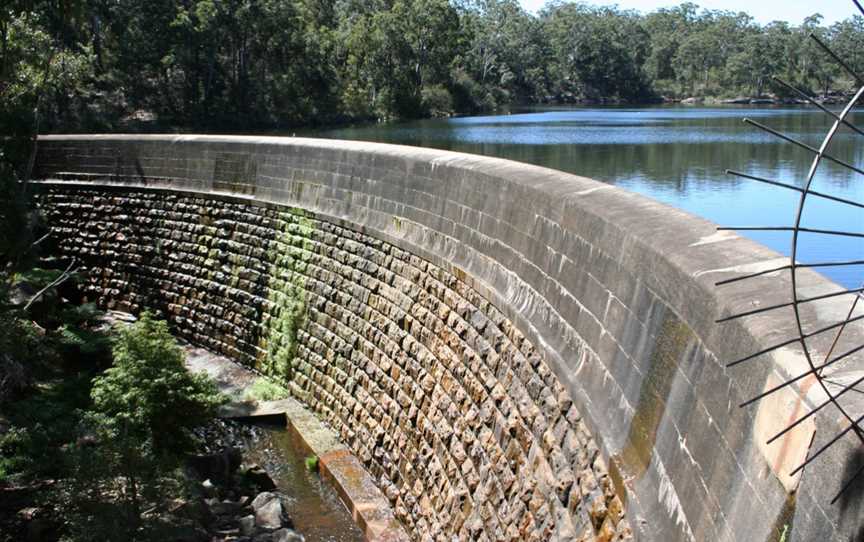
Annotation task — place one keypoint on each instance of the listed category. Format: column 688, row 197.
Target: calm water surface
column 677, row 155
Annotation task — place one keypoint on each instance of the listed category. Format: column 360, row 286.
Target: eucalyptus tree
column 248, row 64
column 599, row 52
column 397, row 56
column 814, row 70
column 846, row 41
column 509, row 53
column 667, row 28
column 753, row 65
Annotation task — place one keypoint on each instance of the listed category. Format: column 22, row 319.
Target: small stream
column 312, row 503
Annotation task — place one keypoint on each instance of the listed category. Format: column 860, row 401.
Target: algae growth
column 287, row 298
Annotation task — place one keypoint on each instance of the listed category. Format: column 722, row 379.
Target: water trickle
column 311, row 503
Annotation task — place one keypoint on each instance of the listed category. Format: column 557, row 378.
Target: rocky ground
column 226, row 500
column 234, row 501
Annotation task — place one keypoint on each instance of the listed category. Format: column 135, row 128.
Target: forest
column 270, row 64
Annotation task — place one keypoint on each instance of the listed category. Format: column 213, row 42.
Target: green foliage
column 437, row 101
column 265, row 389
column 113, row 442
column 16, row 446
column 599, row 52
column 39, row 70
column 41, row 86
column 262, row 63
column 148, row 395
column 311, row 463
column 80, row 335
column 40, row 424
column 23, row 352
column 112, row 479
column 134, row 434
column 14, row 222
column 287, row 296
column 89, row 343
column 51, row 330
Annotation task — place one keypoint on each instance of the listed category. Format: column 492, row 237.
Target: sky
column 764, row 11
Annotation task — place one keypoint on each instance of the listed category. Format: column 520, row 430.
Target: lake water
column 677, row 155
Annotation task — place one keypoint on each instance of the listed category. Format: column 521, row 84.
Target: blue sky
column 763, row 11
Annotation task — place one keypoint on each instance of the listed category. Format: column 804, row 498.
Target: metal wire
column 833, row 390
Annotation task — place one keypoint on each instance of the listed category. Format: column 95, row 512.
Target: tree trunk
column 4, row 35
column 208, row 85
column 96, row 25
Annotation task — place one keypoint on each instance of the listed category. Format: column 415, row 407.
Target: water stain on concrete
column 668, row 350
column 782, row 529
column 618, row 479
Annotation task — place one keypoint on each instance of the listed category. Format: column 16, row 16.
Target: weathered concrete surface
column 613, row 291
column 404, row 359
column 231, row 379
column 254, row 409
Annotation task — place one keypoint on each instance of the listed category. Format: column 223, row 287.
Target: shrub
column 23, row 351
column 437, row 101
column 148, row 394
column 144, row 408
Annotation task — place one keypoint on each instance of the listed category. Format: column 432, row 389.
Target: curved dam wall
column 515, row 353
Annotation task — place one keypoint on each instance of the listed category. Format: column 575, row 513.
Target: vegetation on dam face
column 249, row 64
column 287, row 295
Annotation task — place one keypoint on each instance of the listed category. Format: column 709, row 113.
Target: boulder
column 258, row 477
column 208, row 489
column 269, row 513
column 287, row 535
column 247, row 525
column 262, row 498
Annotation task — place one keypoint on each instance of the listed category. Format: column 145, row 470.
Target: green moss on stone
column 287, row 299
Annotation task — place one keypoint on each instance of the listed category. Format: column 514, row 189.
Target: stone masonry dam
column 514, row 353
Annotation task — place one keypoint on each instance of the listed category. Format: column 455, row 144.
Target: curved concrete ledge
column 611, row 291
